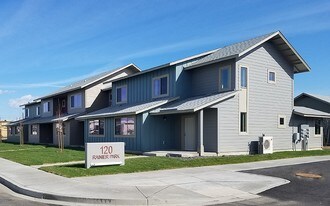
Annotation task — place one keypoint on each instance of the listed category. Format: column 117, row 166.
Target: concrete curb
column 57, row 197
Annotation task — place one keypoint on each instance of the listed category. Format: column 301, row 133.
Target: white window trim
column 122, row 102
column 27, row 111
column 317, row 135
column 96, row 135
column 152, row 86
column 230, row 82
column 37, row 114
column 268, row 72
column 278, row 122
column 43, row 107
column 124, row 136
column 239, row 124
column 240, row 76
column 74, row 107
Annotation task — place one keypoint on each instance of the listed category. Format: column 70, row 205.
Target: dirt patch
column 308, row 175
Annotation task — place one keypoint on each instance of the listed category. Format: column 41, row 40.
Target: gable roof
column 88, row 81
column 322, row 98
column 239, row 49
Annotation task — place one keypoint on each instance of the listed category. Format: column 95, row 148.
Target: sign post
column 104, row 153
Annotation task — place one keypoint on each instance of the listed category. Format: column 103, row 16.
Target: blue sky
column 47, row 44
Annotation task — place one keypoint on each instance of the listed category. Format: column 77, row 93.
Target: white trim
column 268, row 72
column 118, row 87
column 278, row 121
column 124, row 136
column 73, row 95
column 27, row 112
column 239, row 124
column 167, row 89
column 38, row 110
column 318, row 135
column 230, row 76
column 43, row 107
column 240, row 76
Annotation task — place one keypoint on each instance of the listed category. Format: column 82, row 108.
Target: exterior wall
column 46, row 114
column 312, row 103
column 139, row 88
column 3, row 129
column 33, row 110
column 76, row 133
column 13, row 136
column 206, row 79
column 76, row 110
column 314, row 141
column 66, row 136
column 210, row 130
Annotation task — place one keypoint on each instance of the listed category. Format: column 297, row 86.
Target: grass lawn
column 159, row 163
column 29, row 154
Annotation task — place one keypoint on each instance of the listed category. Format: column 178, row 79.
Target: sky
column 46, row 44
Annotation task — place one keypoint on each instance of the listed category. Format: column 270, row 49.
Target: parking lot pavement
column 300, row 190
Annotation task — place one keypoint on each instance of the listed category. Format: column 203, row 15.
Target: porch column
column 200, row 135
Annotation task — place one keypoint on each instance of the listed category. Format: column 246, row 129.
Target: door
column 189, row 133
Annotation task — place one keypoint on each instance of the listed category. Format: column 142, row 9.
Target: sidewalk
column 188, row 186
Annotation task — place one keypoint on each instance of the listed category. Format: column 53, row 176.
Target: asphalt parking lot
column 300, row 190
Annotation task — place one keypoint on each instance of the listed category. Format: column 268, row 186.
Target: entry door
column 189, row 133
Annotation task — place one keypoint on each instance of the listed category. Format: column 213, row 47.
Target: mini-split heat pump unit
column 265, row 145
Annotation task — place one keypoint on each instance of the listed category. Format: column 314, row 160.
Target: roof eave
column 311, row 115
column 210, row 62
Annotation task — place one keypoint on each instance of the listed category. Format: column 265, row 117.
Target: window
column 10, row 131
column 271, row 77
column 34, row 129
column 96, row 127
column 125, row 126
column 243, row 77
column 76, row 101
column 225, row 78
column 281, row 121
column 37, row 111
column 46, row 107
column 317, row 127
column 17, row 130
column 121, row 94
column 243, row 122
column 27, row 112
column 160, row 86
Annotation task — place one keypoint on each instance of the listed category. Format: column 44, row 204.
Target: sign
column 104, row 153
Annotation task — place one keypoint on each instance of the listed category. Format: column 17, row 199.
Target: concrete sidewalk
column 188, row 186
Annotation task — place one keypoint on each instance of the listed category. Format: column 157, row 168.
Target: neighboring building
column 314, row 111
column 3, row 129
column 14, row 131
column 218, row 101
column 44, row 115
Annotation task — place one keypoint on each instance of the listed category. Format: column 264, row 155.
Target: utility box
column 304, row 132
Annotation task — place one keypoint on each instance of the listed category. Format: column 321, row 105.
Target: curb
column 56, row 197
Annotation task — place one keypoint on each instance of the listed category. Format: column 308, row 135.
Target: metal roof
column 52, row 119
column 126, row 109
column 308, row 112
column 241, row 48
column 88, row 81
column 193, row 104
column 322, row 98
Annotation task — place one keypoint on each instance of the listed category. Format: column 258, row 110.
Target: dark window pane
column 243, row 77
column 119, row 95
column 281, row 121
column 163, row 87
column 243, row 122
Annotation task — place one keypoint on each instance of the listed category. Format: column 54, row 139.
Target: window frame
column 268, row 75
column 279, row 125
column 167, row 86
column 120, row 87
column 97, row 135
column 229, row 67
column 74, row 101
column 48, row 107
column 124, row 136
column 27, row 112
column 38, row 111
column 315, row 134
column 31, row 129
column 247, row 77
column 240, row 124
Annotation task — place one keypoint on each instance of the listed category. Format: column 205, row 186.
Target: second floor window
column 76, row 101
column 160, row 86
column 27, row 112
column 46, row 106
column 243, row 77
column 121, row 94
column 37, row 111
column 225, row 78
column 271, row 77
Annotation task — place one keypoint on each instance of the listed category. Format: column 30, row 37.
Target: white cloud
column 15, row 103
column 6, row 91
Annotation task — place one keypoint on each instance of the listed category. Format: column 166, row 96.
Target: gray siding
column 206, row 79
column 76, row 110
column 76, row 132
column 33, row 110
column 33, row 138
column 43, row 113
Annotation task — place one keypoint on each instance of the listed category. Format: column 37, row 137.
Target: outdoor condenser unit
column 265, row 145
